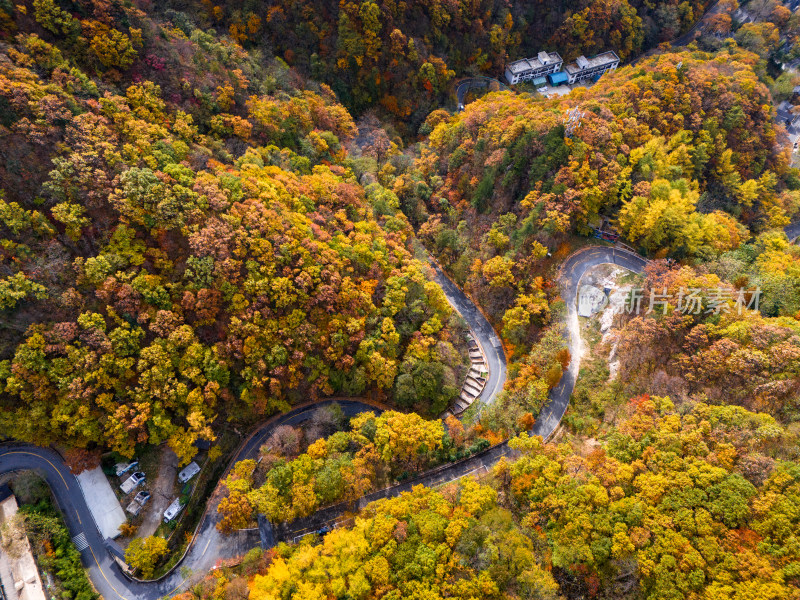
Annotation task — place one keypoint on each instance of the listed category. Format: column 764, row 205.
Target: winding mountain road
column 209, row 546
column 471, row 83
column 792, row 231
column 484, row 334
column 571, row 272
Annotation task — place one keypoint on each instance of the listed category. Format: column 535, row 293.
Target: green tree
column 145, row 553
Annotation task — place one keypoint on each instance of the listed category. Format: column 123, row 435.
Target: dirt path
column 162, row 492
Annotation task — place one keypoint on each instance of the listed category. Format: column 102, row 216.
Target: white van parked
column 173, row 510
column 188, row 472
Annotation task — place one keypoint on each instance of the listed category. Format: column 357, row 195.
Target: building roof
column 102, row 502
column 115, row 549
column 530, row 64
column 20, row 578
column 582, row 63
column 540, row 81
column 558, row 78
column 519, row 66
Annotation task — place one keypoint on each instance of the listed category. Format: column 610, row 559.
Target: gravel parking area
column 162, row 492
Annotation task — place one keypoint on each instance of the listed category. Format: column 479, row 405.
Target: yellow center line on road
column 206, row 548
column 172, row 591
column 44, row 459
column 99, row 568
column 66, row 485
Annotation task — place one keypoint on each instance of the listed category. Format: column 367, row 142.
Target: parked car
column 121, row 468
column 142, row 497
column 132, row 482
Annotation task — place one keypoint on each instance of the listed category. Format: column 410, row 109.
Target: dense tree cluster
column 693, row 502
column 767, row 27
column 424, row 544
column 718, row 351
column 193, row 251
column 404, row 56
column 679, row 153
column 191, row 234
column 372, row 453
column 531, row 377
column 675, row 147
column 673, row 505
column 51, row 542
column 144, row 553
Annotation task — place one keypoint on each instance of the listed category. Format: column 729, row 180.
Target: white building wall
column 589, row 73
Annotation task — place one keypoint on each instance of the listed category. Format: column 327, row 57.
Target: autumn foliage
column 192, row 250
column 674, row 503
column 372, row 453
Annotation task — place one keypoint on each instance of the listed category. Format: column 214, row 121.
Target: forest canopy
column 211, row 213
column 181, row 252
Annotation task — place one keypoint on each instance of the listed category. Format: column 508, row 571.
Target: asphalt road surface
column 571, row 272
column 471, row 83
column 210, row 546
column 792, row 231
column 484, row 334
column 689, row 36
